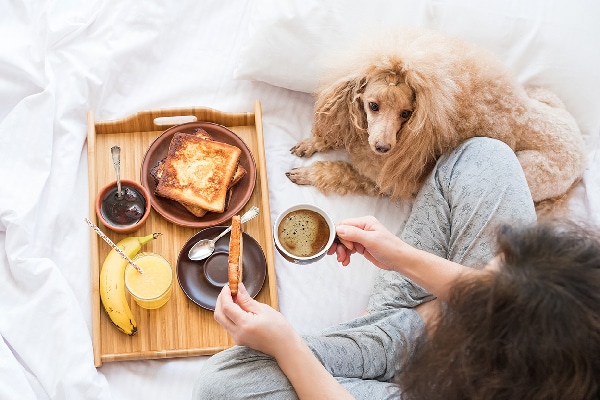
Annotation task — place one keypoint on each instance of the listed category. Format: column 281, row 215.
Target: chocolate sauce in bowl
column 123, row 211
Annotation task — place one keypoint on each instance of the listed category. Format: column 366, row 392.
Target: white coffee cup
column 303, row 233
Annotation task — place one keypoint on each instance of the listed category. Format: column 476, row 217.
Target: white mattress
column 116, row 58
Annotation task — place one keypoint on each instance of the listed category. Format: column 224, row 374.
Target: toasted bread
column 157, row 170
column 239, row 174
column 197, row 172
column 201, row 133
column 198, row 211
column 201, row 212
column 236, row 252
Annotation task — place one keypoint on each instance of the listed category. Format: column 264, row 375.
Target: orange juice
column 153, row 288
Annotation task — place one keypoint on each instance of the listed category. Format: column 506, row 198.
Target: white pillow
column 549, row 43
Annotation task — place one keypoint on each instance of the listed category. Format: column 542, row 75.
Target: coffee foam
column 303, row 233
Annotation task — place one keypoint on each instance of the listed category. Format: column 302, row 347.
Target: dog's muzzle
column 382, row 147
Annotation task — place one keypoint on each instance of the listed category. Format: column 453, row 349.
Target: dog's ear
column 435, row 105
column 339, row 113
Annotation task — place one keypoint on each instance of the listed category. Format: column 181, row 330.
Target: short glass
column 151, row 289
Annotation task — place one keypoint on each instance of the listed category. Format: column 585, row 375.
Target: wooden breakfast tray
column 180, row 328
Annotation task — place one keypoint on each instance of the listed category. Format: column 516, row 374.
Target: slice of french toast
column 157, row 171
column 197, row 172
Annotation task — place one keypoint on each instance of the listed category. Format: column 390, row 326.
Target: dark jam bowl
column 127, row 213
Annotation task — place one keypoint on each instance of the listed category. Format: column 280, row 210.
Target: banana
column 112, row 283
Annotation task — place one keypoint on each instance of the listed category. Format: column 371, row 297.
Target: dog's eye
column 405, row 114
column 374, row 106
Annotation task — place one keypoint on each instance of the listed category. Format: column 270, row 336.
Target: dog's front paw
column 305, row 148
column 300, row 176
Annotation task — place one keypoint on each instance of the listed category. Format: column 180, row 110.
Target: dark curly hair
column 527, row 330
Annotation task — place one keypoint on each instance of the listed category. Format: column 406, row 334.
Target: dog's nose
column 382, row 147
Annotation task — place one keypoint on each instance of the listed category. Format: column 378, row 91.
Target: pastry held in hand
column 236, row 251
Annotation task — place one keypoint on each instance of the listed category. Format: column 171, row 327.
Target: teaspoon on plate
column 205, row 247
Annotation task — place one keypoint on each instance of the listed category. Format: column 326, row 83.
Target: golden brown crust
column 197, row 211
column 200, row 212
column 201, row 133
column 239, row 174
column 234, row 272
column 157, row 170
column 198, row 172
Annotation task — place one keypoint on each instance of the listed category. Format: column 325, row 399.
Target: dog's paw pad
column 299, row 176
column 294, row 150
column 302, row 149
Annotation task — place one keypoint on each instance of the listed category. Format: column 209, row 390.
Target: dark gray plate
column 202, row 280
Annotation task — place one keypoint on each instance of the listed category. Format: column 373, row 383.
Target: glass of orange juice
column 151, row 289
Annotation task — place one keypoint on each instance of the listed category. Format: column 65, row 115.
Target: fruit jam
column 123, row 211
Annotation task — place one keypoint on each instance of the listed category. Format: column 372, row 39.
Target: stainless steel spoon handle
column 222, row 234
column 248, row 215
column 115, row 151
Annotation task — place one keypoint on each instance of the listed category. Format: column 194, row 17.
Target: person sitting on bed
column 474, row 300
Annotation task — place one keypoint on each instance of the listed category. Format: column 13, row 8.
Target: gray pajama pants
column 469, row 193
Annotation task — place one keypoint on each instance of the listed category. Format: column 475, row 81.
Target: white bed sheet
column 57, row 61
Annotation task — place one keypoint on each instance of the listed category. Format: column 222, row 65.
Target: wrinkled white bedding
column 60, row 59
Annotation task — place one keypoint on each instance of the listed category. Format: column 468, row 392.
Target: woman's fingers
column 236, row 315
column 358, row 235
column 221, row 315
column 350, row 234
column 346, row 243
column 245, row 301
column 344, row 248
column 363, row 223
column 341, row 255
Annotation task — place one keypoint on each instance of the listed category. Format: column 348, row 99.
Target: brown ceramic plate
column 175, row 212
column 203, row 280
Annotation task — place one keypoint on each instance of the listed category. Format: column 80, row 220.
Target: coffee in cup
column 303, row 233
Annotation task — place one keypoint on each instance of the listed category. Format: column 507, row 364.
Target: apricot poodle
column 398, row 106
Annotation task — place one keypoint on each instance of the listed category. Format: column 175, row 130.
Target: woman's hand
column 262, row 328
column 366, row 236
column 253, row 324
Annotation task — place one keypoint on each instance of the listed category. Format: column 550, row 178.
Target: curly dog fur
column 397, row 107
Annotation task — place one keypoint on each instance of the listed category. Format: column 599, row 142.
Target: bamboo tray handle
column 161, row 119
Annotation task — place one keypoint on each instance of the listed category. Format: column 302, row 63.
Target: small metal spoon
column 205, row 247
column 115, row 151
